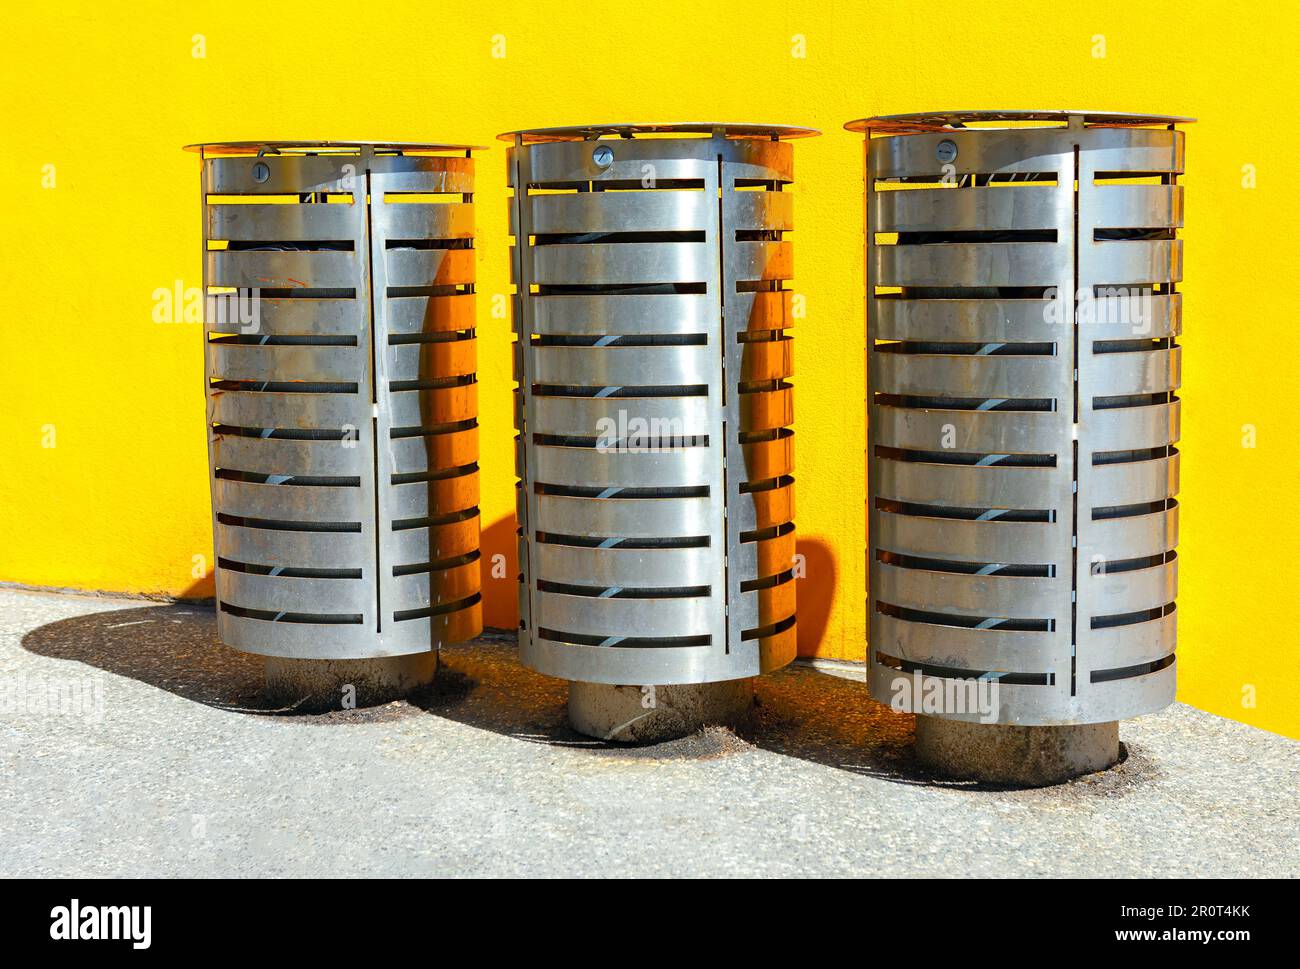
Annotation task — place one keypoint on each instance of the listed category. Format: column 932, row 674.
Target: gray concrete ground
column 132, row 744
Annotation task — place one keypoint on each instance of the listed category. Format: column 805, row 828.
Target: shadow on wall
column 499, row 576
column 205, row 588
column 814, row 594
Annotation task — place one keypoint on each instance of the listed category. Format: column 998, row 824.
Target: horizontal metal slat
column 431, row 452
column 968, row 375
column 1133, row 537
column 972, row 264
column 274, row 269
column 285, row 223
column 429, row 314
column 1137, row 372
column 438, row 405
column 617, row 314
column 1134, row 206
column 1103, row 593
column 273, row 456
column 596, row 212
column 768, row 211
column 969, row 486
column 416, row 546
column 624, row 517
column 431, row 361
column 431, row 499
column 1026, row 206
column 303, row 411
column 685, row 468
column 626, row 568
column 296, row 595
column 615, row 366
column 252, row 314
column 625, row 618
column 762, row 509
column 762, row 260
column 1117, row 647
column 429, row 267
column 766, row 607
column 1009, row 596
column 967, row 320
column 956, row 647
column 1021, row 543
column 231, row 361
column 285, row 175
column 288, row 502
column 440, row 587
column 1131, row 428
column 638, row 422
column 423, row 220
column 1131, row 263
column 982, row 432
column 606, row 264
column 267, row 546
column 766, row 410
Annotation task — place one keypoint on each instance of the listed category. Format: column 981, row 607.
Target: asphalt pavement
column 133, row 744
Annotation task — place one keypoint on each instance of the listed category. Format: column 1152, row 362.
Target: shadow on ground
column 171, row 647
column 800, row 712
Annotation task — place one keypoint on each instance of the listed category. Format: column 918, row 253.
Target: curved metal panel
column 341, row 398
column 655, row 459
column 1022, row 323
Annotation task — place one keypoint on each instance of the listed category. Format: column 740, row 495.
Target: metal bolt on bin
column 655, row 461
column 1023, row 316
column 342, row 409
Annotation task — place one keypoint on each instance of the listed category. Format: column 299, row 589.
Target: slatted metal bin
column 343, row 432
column 1023, row 321
column 656, row 491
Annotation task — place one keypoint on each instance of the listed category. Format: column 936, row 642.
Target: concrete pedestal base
column 337, row 684
column 644, row 715
column 1023, row 756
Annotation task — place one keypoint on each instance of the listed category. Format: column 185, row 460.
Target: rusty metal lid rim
column 922, row 121
column 249, row 146
column 532, row 136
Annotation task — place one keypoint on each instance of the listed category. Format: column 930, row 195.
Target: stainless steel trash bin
column 656, row 491
column 1023, row 316
column 340, row 373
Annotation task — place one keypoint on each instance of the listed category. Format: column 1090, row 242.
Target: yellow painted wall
column 107, row 93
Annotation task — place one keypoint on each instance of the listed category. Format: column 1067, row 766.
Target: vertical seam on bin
column 724, row 346
column 523, row 341
column 374, row 400
column 1074, row 442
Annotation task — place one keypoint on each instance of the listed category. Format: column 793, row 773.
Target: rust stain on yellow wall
column 102, row 443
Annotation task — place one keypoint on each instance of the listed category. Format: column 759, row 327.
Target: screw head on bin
column 261, row 172
column 603, row 156
column 946, row 151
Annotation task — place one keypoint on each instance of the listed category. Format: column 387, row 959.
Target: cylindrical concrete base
column 650, row 714
column 1022, row 756
column 341, row 684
